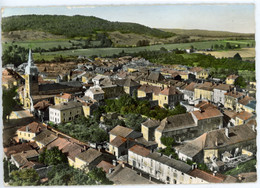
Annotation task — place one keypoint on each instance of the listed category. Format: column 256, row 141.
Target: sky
column 230, row 17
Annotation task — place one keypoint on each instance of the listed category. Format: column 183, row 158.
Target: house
column 119, row 146
column 106, row 166
column 204, row 91
column 65, row 112
column 246, row 103
column 180, row 127
column 189, row 125
column 71, row 150
column 192, row 150
column 208, row 117
column 215, row 143
column 243, row 117
column 130, row 86
column 10, row 79
column 18, row 148
column 206, row 177
column 123, row 132
column 41, row 110
column 20, row 159
column 62, row 98
column 148, row 127
column 123, row 175
column 148, row 92
column 158, row 166
column 188, row 91
column 199, row 72
column 44, row 138
column 88, row 159
column 28, row 132
column 232, row 98
column 231, row 79
column 95, row 93
column 170, row 96
column 219, row 93
column 154, row 79
column 121, row 139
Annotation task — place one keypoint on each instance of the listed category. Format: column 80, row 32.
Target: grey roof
column 178, row 165
column 131, row 83
column 151, row 123
column 45, row 137
column 68, row 105
column 125, row 175
column 89, row 156
column 180, row 121
column 155, row 76
column 251, row 104
column 61, row 85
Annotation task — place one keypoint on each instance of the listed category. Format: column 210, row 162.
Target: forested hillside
column 75, row 26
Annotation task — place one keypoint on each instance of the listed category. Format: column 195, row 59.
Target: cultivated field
column 245, row 53
column 111, row 51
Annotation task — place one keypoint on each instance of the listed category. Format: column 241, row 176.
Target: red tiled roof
column 105, row 166
column 207, row 113
column 169, row 91
column 65, row 96
column 140, row 150
column 245, row 100
column 244, row 115
column 196, row 69
column 234, row 94
column 41, row 105
column 33, row 127
column 59, row 142
column 218, row 178
column 118, row 141
column 17, row 149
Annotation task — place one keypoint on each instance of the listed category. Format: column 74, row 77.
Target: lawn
column 248, row 166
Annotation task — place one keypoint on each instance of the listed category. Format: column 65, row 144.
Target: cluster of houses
column 218, row 129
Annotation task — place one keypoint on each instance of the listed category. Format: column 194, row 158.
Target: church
column 33, row 92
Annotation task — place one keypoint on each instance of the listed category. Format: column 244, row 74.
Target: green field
column 111, row 51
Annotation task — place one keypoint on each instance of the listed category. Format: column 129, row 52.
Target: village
column 145, row 123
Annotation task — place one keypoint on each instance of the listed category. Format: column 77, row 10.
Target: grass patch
column 248, row 166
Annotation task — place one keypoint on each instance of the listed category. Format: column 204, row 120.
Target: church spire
column 30, row 58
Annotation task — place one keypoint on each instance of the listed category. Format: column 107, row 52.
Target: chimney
column 226, row 132
column 235, row 89
column 214, row 173
column 27, row 128
column 114, row 163
column 123, row 165
column 99, row 148
column 110, row 170
column 151, row 151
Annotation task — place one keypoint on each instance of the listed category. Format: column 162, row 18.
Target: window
column 28, row 135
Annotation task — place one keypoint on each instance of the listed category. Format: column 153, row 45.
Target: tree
column 237, row 57
column 167, row 141
column 8, row 101
column 98, row 176
column 63, row 174
column 240, row 81
column 134, row 121
column 24, row 177
column 52, row 156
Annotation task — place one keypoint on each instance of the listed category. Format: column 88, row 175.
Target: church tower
column 31, row 82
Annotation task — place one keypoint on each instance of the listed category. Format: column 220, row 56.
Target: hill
column 208, row 33
column 75, row 26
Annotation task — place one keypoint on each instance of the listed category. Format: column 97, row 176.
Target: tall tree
column 8, row 101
